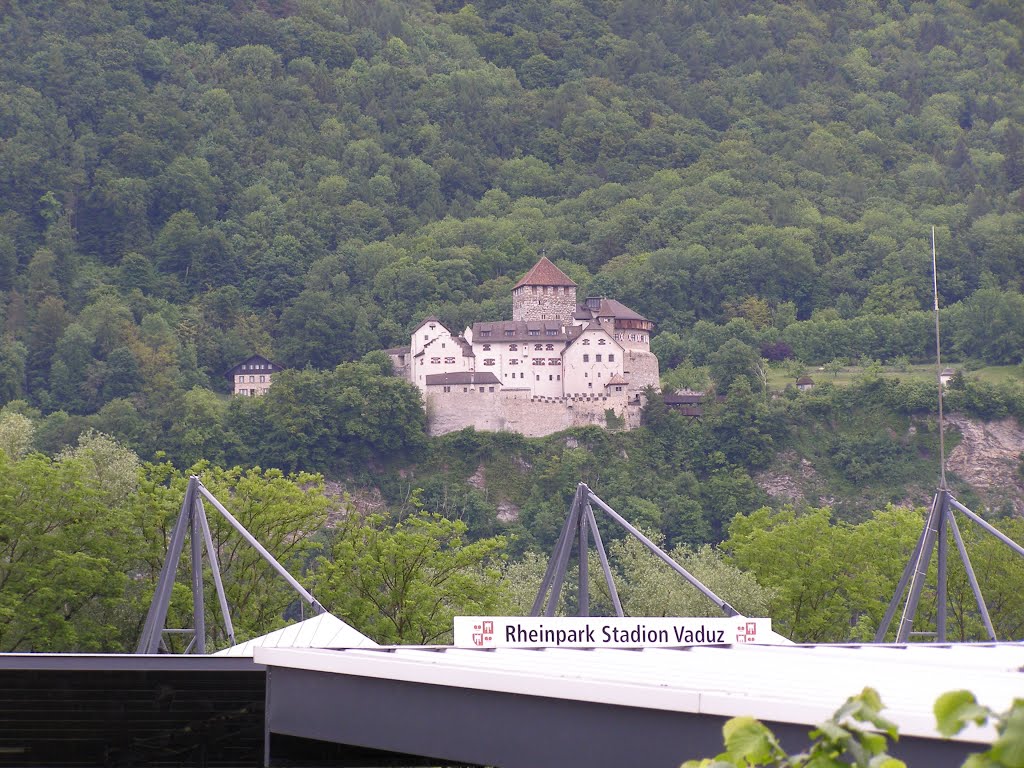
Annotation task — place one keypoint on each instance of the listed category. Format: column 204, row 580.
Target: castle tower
column 544, row 293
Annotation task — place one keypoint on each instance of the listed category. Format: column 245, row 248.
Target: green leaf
column 1008, row 749
column 832, row 730
column 750, row 740
column 886, row 761
column 955, row 709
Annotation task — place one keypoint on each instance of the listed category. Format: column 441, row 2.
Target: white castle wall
column 641, row 368
column 516, row 410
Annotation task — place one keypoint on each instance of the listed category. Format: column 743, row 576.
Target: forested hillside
column 185, row 183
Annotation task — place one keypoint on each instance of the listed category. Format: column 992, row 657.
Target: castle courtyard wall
column 517, row 410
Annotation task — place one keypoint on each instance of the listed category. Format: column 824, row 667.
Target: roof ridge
column 544, row 272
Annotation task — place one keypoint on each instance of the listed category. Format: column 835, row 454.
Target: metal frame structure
column 192, row 521
column 579, row 525
column 939, row 522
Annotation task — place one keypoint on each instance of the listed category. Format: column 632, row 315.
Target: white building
column 588, row 358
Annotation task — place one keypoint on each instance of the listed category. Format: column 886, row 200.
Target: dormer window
column 485, row 333
column 550, row 331
column 533, row 332
column 509, row 332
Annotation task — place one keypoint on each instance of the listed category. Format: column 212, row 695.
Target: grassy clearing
column 779, row 377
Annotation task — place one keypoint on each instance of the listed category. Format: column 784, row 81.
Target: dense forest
column 184, row 184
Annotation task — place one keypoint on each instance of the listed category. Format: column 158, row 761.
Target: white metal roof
column 322, row 631
column 794, row 684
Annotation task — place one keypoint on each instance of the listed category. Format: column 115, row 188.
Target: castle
column 556, row 364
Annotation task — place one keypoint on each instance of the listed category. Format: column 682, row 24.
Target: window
column 611, row 357
column 435, row 361
column 538, row 347
column 485, row 333
column 586, row 358
column 600, row 342
column 597, row 358
column 538, row 361
column 239, row 379
column 590, row 386
column 252, row 379
column 449, row 361
column 513, row 347
column 551, row 332
column 263, row 379
column 514, row 361
column 586, row 342
column 432, row 326
column 465, row 389
column 549, row 347
column 490, row 389
column 489, row 361
column 521, row 375
column 509, row 332
column 551, row 377
column 618, row 389
column 533, row 333
column 481, row 389
column 487, row 347
column 447, row 389
column 554, row 361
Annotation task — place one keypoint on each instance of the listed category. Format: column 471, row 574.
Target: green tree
column 64, row 557
column 731, row 361
column 404, row 582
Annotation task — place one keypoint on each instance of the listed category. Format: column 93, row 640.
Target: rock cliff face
column 989, row 459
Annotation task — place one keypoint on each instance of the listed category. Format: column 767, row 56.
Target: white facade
column 591, row 358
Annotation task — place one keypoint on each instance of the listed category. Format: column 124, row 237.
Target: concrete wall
column 517, row 410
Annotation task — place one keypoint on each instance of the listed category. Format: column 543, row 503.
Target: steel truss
column 192, row 521
column 939, row 522
column 579, row 526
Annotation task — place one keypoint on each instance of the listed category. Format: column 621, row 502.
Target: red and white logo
column 747, row 632
column 483, row 633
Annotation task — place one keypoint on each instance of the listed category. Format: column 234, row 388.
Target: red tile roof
column 545, row 273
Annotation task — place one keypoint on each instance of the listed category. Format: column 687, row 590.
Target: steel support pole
column 988, row 527
column 975, row 587
column 156, row 618
column 897, row 597
column 211, row 555
column 604, row 559
column 584, row 581
column 563, row 560
column 198, row 604
column 260, row 548
column 940, row 579
column 722, row 604
column 549, row 572
column 920, row 572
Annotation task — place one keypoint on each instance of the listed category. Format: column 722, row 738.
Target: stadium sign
column 600, row 632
